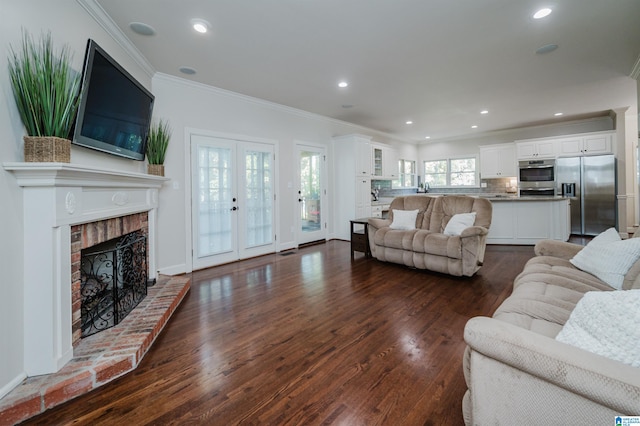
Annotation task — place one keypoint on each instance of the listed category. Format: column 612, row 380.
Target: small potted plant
column 45, row 88
column 157, row 144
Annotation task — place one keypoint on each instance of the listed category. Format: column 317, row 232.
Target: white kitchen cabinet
column 363, row 197
column 379, row 210
column 525, row 221
column 352, row 177
column 498, row 161
column 595, row 144
column 536, row 149
column 362, row 156
column 384, row 162
column 390, row 166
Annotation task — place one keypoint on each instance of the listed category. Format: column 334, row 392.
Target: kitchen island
column 528, row 219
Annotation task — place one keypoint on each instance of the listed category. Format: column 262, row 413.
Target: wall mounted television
column 114, row 114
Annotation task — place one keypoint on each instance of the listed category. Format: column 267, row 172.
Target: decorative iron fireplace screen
column 113, row 281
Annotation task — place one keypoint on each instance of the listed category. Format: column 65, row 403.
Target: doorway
column 233, row 211
column 311, row 194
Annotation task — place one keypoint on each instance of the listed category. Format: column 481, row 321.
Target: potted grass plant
column 45, row 88
column 157, row 144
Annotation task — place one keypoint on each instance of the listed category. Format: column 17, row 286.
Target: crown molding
column 635, row 72
column 275, row 106
column 96, row 11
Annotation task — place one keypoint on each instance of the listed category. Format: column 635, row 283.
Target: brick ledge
column 100, row 358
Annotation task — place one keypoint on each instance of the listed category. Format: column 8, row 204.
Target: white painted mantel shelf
column 55, row 197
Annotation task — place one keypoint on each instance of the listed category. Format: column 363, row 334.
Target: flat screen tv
column 115, row 110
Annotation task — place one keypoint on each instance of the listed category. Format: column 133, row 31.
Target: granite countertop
column 490, row 197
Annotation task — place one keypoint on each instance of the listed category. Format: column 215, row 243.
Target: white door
column 311, row 194
column 232, row 200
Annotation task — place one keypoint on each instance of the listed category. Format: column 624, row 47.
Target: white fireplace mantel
column 55, row 197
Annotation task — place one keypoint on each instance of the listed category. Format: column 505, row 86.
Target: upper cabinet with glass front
column 384, row 162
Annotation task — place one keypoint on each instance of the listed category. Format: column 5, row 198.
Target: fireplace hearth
column 113, row 280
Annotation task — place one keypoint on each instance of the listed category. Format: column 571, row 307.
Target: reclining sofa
column 517, row 367
column 430, row 243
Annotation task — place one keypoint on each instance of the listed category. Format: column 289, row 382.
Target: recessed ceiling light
column 200, row 25
column 546, row 49
column 343, row 84
column 409, row 122
column 142, row 28
column 542, row 13
column 427, row 137
column 187, row 70
column 484, row 111
column 474, row 127
column 558, row 114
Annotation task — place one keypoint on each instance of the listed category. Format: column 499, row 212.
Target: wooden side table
column 360, row 237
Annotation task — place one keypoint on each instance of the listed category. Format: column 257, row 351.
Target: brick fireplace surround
column 66, row 208
column 88, row 235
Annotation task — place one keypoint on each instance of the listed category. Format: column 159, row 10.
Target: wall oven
column 537, row 177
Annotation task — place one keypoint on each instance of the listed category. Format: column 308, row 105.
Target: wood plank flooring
column 309, row 338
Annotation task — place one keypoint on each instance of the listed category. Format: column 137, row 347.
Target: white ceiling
column 435, row 62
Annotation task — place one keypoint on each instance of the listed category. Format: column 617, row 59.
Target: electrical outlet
column 483, row 184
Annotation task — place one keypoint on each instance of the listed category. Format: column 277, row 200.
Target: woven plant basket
column 155, row 169
column 46, row 149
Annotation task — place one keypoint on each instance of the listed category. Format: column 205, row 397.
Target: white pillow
column 606, row 323
column 608, row 257
column 459, row 222
column 404, row 219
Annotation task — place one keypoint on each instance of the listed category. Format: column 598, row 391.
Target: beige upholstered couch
column 426, row 246
column 518, row 373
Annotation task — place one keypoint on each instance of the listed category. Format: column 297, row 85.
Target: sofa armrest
column 377, row 223
column 473, row 231
column 556, row 248
column 599, row 379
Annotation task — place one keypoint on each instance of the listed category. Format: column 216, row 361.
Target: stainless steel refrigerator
column 590, row 183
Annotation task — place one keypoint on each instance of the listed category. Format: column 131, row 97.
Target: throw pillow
column 404, row 219
column 459, row 222
column 606, row 323
column 608, row 257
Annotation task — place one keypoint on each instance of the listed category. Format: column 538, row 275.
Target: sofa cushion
column 539, row 307
column 404, row 219
column 608, row 257
column 607, row 324
column 438, row 244
column 448, row 206
column 394, row 238
column 561, row 272
column 459, row 222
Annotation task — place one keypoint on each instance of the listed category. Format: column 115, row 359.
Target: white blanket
column 606, row 323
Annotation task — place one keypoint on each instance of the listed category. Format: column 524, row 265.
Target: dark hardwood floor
column 307, row 338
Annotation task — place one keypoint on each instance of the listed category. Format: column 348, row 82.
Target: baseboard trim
column 12, row 384
column 173, row 270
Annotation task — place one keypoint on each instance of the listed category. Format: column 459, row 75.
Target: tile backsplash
column 494, row 186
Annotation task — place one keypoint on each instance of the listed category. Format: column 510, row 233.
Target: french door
column 232, row 200
column 311, row 194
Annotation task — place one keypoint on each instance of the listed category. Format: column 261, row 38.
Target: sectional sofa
column 564, row 348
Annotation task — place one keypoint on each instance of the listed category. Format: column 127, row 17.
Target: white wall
column 69, row 24
column 195, row 106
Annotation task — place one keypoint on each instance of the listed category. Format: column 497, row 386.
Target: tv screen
column 115, row 110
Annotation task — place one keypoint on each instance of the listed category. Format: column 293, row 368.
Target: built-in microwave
column 537, row 177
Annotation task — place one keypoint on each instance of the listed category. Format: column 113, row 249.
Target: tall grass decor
column 45, row 88
column 157, row 144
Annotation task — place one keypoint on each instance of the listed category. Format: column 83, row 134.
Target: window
column 407, row 175
column 451, row 172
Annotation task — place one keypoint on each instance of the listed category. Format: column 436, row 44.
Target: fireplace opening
column 113, row 280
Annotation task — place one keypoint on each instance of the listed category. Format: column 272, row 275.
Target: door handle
column 299, row 200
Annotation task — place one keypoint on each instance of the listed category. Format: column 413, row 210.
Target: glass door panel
column 311, row 194
column 233, row 212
